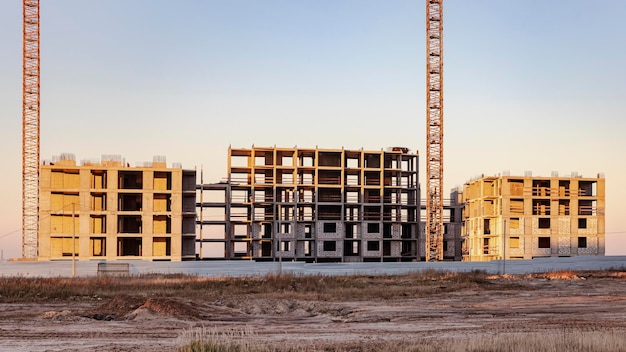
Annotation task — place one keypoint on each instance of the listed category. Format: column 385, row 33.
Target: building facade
column 314, row 205
column 452, row 227
column 527, row 217
column 109, row 210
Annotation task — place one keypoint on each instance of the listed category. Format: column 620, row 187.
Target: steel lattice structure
column 30, row 130
column 434, row 130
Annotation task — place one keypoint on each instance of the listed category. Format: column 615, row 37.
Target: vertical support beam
column 30, row 130
column 434, row 130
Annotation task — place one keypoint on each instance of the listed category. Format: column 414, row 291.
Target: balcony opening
column 97, row 246
column 130, row 202
column 129, row 224
column 587, row 188
column 544, row 242
column 351, row 248
column 386, row 248
column 386, row 230
column 373, row 246
column 407, row 231
column 332, row 159
column 98, row 179
column 544, row 223
column 372, row 196
column 541, row 207
column 329, row 177
column 129, row 246
column 329, row 195
column 351, row 230
column 266, row 249
column 97, row 224
column 564, row 188
column 587, row 207
column 541, row 188
column 329, row 246
column 373, row 227
column 487, row 226
column 329, row 212
column 330, row 227
column 372, row 161
column 98, row 201
column 130, row 180
column 240, row 249
column 306, row 158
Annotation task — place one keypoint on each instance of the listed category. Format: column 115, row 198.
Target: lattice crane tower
column 434, row 130
column 30, row 130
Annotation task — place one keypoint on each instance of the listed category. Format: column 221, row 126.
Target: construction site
column 291, row 247
column 297, row 204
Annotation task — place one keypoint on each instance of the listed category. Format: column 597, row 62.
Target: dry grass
column 307, row 287
column 197, row 300
column 244, row 340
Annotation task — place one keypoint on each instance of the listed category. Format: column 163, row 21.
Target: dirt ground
column 131, row 323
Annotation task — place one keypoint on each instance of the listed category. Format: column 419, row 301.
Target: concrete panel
column 592, row 227
column 564, row 225
column 337, row 253
column 396, row 231
column 564, row 245
column 592, row 247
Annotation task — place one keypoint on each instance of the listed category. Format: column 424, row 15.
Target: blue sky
column 529, row 85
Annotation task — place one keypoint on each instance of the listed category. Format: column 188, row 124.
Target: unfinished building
column 516, row 217
column 109, row 210
column 452, row 226
column 314, row 205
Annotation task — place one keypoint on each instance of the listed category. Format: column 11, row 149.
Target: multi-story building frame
column 108, row 210
column 527, row 217
column 313, row 205
column 452, row 226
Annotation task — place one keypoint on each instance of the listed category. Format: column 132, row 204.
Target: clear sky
column 529, row 85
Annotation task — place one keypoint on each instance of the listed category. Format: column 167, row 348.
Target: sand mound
column 161, row 306
column 116, row 309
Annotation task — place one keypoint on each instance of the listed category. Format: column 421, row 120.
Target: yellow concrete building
column 109, row 210
column 528, row 217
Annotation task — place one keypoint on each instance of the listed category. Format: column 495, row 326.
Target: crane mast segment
column 30, row 129
column 434, row 130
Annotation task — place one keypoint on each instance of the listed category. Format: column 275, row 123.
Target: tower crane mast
column 434, row 130
column 30, row 129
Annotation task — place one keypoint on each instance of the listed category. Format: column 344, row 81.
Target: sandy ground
column 127, row 323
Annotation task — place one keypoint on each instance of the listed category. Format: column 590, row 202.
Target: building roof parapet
column 108, row 161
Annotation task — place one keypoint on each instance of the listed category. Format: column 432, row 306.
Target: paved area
column 251, row 268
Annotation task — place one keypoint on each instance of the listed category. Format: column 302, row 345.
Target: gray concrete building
column 313, row 205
